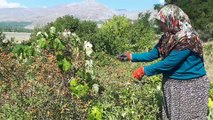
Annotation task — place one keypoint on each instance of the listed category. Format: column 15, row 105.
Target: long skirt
column 185, row 99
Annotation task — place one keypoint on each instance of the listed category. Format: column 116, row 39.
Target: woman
column 185, row 84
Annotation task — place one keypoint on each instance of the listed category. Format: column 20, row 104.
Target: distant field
column 20, row 36
column 14, row 26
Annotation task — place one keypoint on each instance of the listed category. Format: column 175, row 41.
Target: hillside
column 87, row 10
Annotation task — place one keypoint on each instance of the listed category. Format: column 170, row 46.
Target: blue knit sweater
column 180, row 65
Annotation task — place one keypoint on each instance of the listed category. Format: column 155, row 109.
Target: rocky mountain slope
column 87, row 10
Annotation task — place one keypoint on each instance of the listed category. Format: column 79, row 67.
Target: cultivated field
column 19, row 36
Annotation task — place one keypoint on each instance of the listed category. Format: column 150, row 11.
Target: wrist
column 143, row 70
column 129, row 55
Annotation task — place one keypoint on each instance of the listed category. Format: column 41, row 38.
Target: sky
column 113, row 4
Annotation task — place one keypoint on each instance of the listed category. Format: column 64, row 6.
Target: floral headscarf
column 181, row 35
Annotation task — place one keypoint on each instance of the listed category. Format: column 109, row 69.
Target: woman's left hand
column 139, row 73
column 124, row 57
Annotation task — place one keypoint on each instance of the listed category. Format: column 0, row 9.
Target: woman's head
column 173, row 19
column 178, row 31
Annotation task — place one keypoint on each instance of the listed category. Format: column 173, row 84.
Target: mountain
column 129, row 14
column 87, row 10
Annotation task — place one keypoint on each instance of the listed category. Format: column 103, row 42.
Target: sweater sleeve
column 167, row 64
column 146, row 56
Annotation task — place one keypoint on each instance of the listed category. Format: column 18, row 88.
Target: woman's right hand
column 124, row 57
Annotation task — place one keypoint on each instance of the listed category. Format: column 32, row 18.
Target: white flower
column 87, row 45
column 64, row 34
column 88, row 48
column 77, row 39
column 45, row 34
column 52, row 30
column 89, row 52
column 89, row 67
column 21, row 56
column 38, row 49
column 74, row 35
column 67, row 33
column 123, row 114
column 5, row 41
column 38, row 34
column 88, row 64
column 95, row 87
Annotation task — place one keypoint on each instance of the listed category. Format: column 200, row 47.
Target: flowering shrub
column 50, row 78
column 73, row 57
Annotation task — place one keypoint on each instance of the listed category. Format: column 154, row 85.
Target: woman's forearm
column 146, row 56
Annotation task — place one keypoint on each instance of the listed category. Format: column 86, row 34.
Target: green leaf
column 66, row 65
column 95, row 113
column 28, row 51
column 61, row 46
column 57, row 44
column 42, row 43
column 82, row 90
column 210, row 103
column 73, row 85
column 78, row 90
column 80, row 73
column 18, row 49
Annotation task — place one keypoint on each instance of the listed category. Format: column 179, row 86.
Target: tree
column 113, row 36
column 157, row 6
column 142, row 33
column 120, row 34
column 66, row 22
column 86, row 30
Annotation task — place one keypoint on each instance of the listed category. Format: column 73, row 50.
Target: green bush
column 119, row 35
column 123, row 96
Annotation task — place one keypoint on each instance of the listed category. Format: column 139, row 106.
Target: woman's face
column 163, row 27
